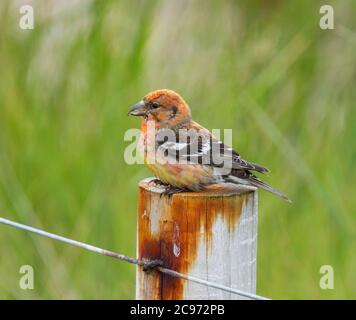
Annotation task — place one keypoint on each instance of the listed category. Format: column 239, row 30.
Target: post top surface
column 215, row 190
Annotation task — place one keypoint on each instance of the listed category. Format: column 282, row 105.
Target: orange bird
column 182, row 154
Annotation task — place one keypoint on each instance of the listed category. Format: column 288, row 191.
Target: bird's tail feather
column 253, row 180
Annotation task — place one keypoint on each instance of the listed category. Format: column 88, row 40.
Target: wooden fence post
column 211, row 235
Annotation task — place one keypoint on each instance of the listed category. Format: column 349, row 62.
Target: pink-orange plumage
column 190, row 149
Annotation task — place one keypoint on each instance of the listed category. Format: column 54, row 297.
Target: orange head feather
column 166, row 107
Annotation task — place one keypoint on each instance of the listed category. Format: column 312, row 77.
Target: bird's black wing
column 237, row 161
column 198, row 146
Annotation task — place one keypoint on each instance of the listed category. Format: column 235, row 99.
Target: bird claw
column 157, row 182
column 170, row 191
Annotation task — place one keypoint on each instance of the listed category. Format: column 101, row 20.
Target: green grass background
column 263, row 68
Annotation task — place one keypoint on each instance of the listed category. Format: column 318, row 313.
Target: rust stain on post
column 173, row 228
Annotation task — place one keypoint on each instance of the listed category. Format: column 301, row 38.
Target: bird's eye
column 154, row 105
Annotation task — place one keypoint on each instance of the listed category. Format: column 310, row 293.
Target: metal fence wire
column 149, row 264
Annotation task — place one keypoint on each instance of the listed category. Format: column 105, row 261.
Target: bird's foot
column 170, row 191
column 156, row 182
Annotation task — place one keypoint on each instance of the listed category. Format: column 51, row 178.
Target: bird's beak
column 138, row 109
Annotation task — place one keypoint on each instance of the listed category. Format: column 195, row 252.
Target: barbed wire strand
column 123, row 257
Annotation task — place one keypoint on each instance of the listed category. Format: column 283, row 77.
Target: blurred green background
column 263, row 68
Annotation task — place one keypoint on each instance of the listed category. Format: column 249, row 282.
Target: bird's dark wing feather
column 246, row 177
column 237, row 161
column 200, row 147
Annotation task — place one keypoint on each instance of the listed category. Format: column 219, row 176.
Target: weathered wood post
column 211, row 235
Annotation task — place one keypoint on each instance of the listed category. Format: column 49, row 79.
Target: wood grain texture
column 211, row 235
